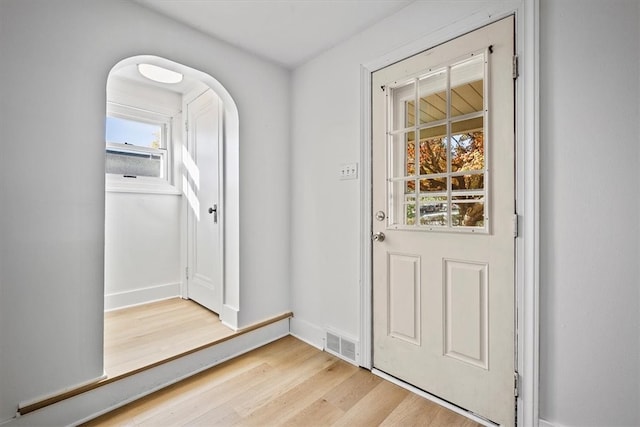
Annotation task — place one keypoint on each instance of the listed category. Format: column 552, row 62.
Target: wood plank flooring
column 142, row 337
column 285, row 383
column 136, row 337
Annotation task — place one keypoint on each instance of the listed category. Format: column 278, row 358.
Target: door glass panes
column 467, row 149
column 404, row 110
column 433, row 211
column 433, row 155
column 467, row 86
column 433, row 97
column 437, row 163
column 467, row 211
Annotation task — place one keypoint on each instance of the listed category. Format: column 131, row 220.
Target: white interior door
column 202, row 172
column 443, row 197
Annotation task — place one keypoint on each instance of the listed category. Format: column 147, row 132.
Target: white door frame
column 527, row 188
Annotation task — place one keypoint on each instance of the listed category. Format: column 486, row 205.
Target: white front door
column 201, row 163
column 443, row 209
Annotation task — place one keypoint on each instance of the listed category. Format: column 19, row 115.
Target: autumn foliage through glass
column 438, row 163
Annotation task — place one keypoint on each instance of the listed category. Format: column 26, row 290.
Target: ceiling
column 288, row 32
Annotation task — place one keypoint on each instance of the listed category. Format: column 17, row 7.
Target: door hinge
column 186, row 272
column 514, row 70
column 186, row 126
column 514, row 224
column 516, row 384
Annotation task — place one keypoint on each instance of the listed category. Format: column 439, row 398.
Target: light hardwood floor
column 140, row 336
column 285, row 383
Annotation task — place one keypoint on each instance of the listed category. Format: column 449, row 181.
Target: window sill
column 144, row 185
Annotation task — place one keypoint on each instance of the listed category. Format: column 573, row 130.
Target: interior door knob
column 378, row 237
column 214, row 211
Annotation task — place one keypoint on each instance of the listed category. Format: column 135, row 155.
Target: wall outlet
column 348, row 171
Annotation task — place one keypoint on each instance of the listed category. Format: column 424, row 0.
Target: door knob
column 378, row 237
column 214, row 211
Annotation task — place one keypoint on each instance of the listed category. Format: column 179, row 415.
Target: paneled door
column 443, row 221
column 201, row 164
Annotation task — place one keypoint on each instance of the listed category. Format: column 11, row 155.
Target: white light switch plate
column 348, row 171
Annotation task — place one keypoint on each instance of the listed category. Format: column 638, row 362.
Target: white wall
column 142, row 230
column 142, row 248
column 589, row 283
column 55, row 61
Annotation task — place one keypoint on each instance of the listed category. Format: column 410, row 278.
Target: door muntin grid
column 439, row 180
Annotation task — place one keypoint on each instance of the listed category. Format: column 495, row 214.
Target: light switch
column 348, row 171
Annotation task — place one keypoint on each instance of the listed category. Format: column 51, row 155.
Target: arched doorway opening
column 171, row 193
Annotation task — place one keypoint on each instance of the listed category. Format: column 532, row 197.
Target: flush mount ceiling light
column 159, row 74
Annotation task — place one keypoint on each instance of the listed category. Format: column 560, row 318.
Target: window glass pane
column 433, row 132
column 467, row 182
column 124, row 131
column 405, row 213
column 410, row 217
column 433, row 219
column 433, row 210
column 467, row 151
column 433, row 155
column 410, row 116
column 134, row 164
column 403, row 99
column 467, row 211
column 410, row 139
column 467, row 87
column 403, row 155
column 433, row 97
column 436, row 184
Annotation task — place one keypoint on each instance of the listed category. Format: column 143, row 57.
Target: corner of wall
column 229, row 316
column 307, row 332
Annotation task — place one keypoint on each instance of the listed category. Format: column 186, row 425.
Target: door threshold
column 458, row 410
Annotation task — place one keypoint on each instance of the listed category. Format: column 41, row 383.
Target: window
column 138, row 146
column 436, row 149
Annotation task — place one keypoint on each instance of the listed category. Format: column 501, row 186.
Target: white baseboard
column 307, row 332
column 88, row 405
column 141, row 296
column 229, row 317
column 544, row 423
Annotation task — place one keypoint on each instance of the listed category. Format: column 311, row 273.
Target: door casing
column 527, row 189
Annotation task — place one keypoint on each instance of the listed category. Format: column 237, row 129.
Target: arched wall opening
column 229, row 182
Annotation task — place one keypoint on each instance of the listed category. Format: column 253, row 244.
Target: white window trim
column 142, row 184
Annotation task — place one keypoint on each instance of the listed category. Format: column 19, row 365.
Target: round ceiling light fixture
column 159, row 74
